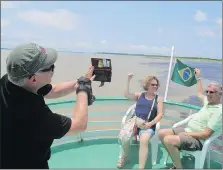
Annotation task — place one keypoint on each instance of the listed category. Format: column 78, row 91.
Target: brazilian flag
column 183, row 74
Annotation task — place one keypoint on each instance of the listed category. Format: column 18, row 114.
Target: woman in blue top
column 143, row 105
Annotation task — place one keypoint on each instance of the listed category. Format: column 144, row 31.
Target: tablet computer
column 102, row 69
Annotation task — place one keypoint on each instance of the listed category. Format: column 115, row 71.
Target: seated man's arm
column 201, row 135
column 200, row 91
column 214, row 124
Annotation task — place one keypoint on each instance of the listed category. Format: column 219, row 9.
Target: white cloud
column 8, row 43
column 82, row 45
column 210, row 31
column 28, row 37
column 160, row 50
column 219, row 21
column 206, row 33
column 103, row 42
column 61, row 19
column 4, row 23
column 76, row 46
column 200, row 16
column 163, row 50
column 13, row 39
column 7, row 4
column 160, row 30
column 202, row 41
column 138, row 47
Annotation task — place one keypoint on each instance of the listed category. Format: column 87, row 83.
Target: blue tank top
column 143, row 107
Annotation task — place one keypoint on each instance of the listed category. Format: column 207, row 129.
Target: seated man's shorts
column 187, row 142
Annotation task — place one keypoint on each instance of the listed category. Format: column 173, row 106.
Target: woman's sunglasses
column 154, row 85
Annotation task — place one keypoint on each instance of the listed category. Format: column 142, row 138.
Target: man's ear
column 32, row 79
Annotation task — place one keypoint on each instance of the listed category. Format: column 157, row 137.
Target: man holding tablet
column 28, row 125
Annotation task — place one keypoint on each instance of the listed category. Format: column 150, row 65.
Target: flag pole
column 169, row 72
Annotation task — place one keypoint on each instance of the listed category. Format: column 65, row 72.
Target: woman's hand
column 130, row 75
column 148, row 125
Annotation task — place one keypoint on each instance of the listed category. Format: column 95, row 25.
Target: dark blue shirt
column 143, row 107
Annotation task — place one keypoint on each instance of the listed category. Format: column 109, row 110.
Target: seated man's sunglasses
column 211, row 92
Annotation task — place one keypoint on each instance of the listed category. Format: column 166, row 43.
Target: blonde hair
column 147, row 80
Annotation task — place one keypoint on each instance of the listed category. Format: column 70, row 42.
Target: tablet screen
column 101, row 63
column 102, row 69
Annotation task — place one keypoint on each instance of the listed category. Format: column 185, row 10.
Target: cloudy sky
column 194, row 28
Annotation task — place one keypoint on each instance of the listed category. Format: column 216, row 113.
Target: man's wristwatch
column 84, row 84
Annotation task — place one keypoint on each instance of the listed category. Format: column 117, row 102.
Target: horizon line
column 119, row 53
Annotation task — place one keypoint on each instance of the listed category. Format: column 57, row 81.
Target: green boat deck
column 103, row 153
column 100, row 148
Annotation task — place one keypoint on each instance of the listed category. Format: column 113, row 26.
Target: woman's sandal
column 173, row 167
column 121, row 162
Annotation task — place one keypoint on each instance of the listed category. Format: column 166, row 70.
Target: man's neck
column 30, row 89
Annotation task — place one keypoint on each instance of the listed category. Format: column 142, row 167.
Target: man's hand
column 183, row 134
column 84, row 84
column 89, row 74
column 197, row 72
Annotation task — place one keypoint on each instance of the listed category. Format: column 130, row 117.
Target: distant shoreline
column 166, row 57
column 143, row 55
